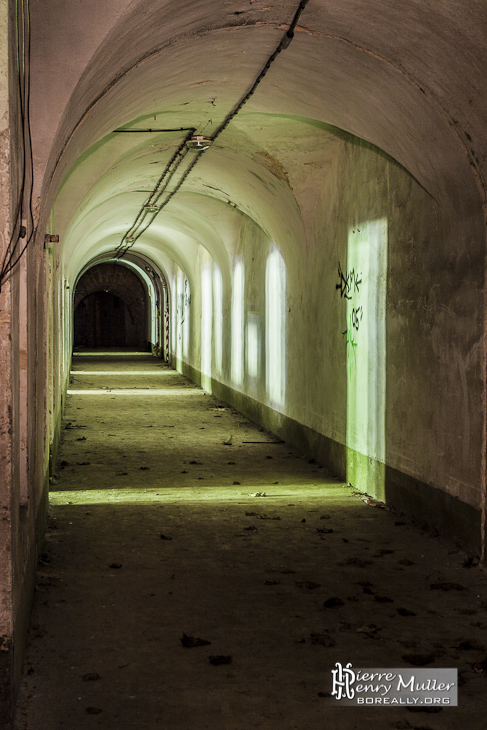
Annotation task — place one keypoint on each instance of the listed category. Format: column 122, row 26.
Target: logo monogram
column 343, row 679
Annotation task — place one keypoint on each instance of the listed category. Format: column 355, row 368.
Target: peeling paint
column 274, row 166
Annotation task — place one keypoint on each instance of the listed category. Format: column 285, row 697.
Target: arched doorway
column 111, row 309
column 99, row 321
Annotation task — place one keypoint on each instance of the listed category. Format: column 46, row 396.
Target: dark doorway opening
column 100, row 321
column 111, row 309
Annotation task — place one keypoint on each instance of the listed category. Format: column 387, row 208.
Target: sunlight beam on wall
column 275, row 298
column 186, row 310
column 253, row 345
column 206, row 321
column 218, row 318
column 365, row 285
column 238, row 323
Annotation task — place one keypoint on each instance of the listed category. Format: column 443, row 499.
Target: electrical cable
column 11, row 255
column 283, row 44
column 20, row 85
column 155, row 195
column 163, row 205
column 145, row 131
column 26, row 130
column 23, row 50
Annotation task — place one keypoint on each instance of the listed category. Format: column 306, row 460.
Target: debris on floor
column 322, row 640
column 405, row 612
column 219, row 659
column 318, row 606
column 189, row 642
column 375, row 503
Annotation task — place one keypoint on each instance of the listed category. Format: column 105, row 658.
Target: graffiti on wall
column 348, row 285
column 356, row 317
column 348, row 282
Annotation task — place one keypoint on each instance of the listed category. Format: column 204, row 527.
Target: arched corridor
column 279, row 206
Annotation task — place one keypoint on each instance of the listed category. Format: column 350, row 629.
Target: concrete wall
column 23, row 477
column 382, row 330
column 6, row 627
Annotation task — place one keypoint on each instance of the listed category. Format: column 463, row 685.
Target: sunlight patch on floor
column 123, row 372
column 138, row 391
column 114, row 354
column 321, row 492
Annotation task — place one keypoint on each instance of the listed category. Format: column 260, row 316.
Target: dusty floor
column 153, row 534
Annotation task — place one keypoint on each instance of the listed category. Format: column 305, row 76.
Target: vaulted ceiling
column 408, row 77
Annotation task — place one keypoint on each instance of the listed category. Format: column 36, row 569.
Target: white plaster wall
column 424, row 395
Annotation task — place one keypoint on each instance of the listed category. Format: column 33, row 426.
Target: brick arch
column 122, row 283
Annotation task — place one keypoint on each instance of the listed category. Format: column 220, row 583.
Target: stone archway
column 111, row 308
